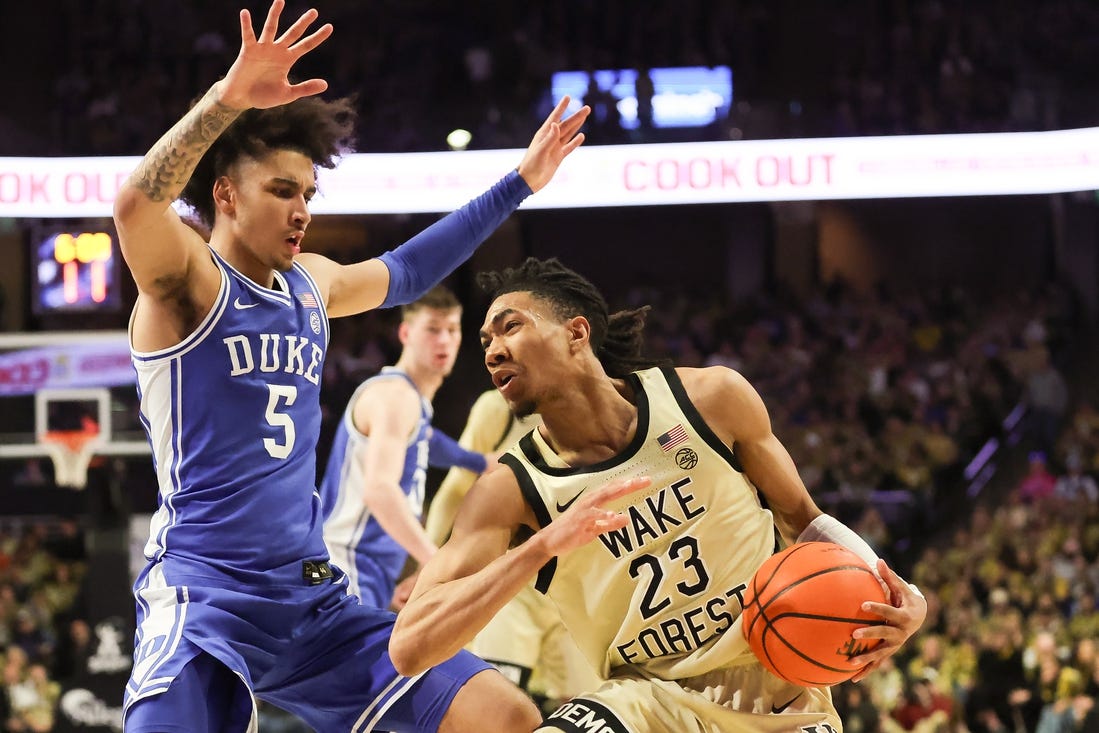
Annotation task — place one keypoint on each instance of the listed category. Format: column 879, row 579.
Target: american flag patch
column 672, row 438
column 308, row 300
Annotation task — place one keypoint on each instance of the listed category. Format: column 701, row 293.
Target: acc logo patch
column 686, row 458
column 315, row 322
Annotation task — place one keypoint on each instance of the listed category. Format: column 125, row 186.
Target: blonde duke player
column 642, row 489
column 238, row 600
column 526, row 639
column 372, row 492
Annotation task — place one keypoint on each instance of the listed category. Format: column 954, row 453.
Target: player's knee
column 490, row 702
column 523, row 716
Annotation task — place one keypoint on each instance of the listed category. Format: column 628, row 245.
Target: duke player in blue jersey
column 372, row 492
column 238, row 600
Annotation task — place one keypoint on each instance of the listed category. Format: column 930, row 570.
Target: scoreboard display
column 75, row 271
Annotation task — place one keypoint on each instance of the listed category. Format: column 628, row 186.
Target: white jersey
column 661, row 592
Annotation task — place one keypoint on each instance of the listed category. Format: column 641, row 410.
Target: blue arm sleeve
column 444, row 452
column 423, row 261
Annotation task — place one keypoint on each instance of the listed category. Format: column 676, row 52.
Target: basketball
column 801, row 607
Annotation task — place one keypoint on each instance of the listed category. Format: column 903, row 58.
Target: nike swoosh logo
column 563, row 507
column 776, row 709
column 242, row 306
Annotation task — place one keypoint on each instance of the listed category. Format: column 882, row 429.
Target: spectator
column 29, row 636
column 1046, row 398
column 1000, row 673
column 858, row 713
column 1083, row 628
column 1038, row 483
column 924, row 708
column 73, row 650
column 33, row 699
column 1075, row 484
column 1064, row 714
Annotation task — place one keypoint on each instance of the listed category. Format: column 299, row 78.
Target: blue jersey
column 233, row 414
column 356, row 541
column 236, row 577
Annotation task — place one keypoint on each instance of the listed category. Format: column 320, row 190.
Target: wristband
column 827, row 528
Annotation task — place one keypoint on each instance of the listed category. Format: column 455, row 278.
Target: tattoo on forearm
column 164, row 170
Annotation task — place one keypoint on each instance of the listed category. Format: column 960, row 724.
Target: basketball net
column 71, row 452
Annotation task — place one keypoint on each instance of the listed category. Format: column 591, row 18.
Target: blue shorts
column 312, row 650
column 371, row 577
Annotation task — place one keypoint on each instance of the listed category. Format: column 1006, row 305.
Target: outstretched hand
column 260, row 75
column 587, row 518
column 555, row 139
column 904, row 614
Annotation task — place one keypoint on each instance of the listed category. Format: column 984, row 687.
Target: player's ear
column 579, row 331
column 224, row 195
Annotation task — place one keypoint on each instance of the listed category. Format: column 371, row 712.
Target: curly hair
column 322, row 130
column 616, row 338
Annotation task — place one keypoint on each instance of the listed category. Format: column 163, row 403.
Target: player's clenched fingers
column 907, row 617
column 896, row 586
column 890, row 635
column 888, row 612
column 873, row 657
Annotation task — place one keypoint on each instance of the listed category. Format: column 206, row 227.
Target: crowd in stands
column 44, row 634
column 882, row 398
column 122, row 72
column 1010, row 639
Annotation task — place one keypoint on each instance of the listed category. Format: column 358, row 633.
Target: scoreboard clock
column 75, row 271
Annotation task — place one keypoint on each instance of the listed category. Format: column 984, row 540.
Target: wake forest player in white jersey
column 643, row 488
column 526, row 639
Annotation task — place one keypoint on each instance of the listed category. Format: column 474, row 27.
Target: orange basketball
column 801, row 607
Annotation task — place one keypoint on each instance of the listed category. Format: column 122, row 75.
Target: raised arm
column 159, row 249
column 407, row 272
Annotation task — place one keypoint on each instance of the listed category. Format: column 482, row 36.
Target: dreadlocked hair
column 318, row 129
column 616, row 338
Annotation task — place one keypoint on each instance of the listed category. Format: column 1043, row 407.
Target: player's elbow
column 407, row 656
column 126, row 202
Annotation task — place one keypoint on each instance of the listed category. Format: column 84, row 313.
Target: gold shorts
column 741, row 699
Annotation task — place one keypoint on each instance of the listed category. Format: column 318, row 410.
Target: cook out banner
column 634, row 175
column 105, row 362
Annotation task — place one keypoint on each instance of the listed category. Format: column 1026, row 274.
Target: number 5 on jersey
column 288, row 395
